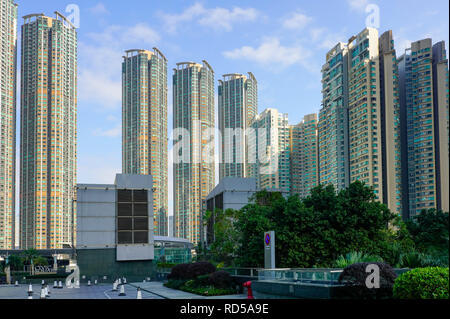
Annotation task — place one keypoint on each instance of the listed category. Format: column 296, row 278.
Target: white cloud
column 270, row 51
column 216, row 18
column 100, row 62
column 358, row 5
column 99, row 9
column 113, row 132
column 297, row 21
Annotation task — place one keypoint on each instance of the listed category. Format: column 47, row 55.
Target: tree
column 29, row 255
column 226, row 236
column 429, row 231
column 314, row 231
column 15, row 262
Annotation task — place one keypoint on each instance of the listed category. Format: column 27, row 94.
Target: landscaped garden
column 337, row 229
column 201, row 278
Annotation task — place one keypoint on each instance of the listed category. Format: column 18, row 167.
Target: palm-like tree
column 29, row 255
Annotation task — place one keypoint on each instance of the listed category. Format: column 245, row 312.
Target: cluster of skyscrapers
column 384, row 121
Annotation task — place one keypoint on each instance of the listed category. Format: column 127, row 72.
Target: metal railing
column 301, row 275
column 244, row 272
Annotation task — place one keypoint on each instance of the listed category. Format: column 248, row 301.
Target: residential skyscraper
column 269, row 151
column 333, row 120
column 425, row 119
column 48, row 154
column 194, row 168
column 238, row 107
column 359, row 123
column 144, row 131
column 304, row 156
column 8, row 63
column 390, row 123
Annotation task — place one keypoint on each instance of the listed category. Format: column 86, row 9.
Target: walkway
column 159, row 289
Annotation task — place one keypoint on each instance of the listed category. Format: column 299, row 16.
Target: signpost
column 269, row 250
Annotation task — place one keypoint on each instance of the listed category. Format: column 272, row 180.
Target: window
column 132, row 216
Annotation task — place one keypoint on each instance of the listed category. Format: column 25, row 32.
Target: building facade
column 238, row 107
column 425, row 119
column 333, row 120
column 269, row 151
column 144, row 131
column 8, row 63
column 390, row 124
column 359, row 123
column 194, row 162
column 304, row 156
column 48, row 155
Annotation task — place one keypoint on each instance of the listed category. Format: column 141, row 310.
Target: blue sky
column 282, row 42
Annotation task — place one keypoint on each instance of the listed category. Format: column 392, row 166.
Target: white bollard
column 139, row 293
column 43, row 282
column 89, row 282
column 95, row 282
column 30, row 296
column 47, row 293
column 30, row 291
column 77, row 284
column 60, row 286
column 42, row 292
column 16, row 284
column 114, row 286
column 120, row 281
column 55, row 284
column 124, row 280
column 122, row 290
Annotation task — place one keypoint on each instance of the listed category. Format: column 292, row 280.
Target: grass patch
column 198, row 287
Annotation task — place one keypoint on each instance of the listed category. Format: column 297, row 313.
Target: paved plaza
column 150, row 290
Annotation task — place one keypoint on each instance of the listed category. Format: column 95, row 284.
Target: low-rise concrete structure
column 115, row 230
column 230, row 193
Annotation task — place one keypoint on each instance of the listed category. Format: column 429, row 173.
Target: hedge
column 423, row 283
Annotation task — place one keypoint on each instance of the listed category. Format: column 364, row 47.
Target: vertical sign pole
column 269, row 250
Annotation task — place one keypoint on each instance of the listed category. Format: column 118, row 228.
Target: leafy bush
column 200, row 268
column 175, row 283
column 179, row 272
column 191, row 271
column 417, row 259
column 355, row 257
column 354, row 279
column 423, row 283
column 165, row 265
column 221, row 279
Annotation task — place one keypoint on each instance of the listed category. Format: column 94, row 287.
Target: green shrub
column 354, row 279
column 221, row 279
column 354, row 258
column 423, row 283
column 175, row 283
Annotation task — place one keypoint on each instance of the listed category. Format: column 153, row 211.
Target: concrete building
column 193, row 123
column 231, row 193
column 48, row 154
column 8, row 63
column 390, row 123
column 115, row 230
column 333, row 120
column 304, row 156
column 359, row 124
column 144, row 138
column 365, row 111
column 425, row 119
column 238, row 107
column 269, row 151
